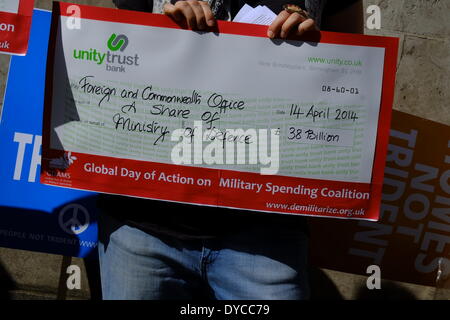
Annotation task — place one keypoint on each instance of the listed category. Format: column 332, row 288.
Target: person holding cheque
column 161, row 250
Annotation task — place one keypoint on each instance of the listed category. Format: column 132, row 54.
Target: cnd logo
column 118, row 42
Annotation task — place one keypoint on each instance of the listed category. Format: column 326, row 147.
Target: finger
column 200, row 22
column 173, row 12
column 275, row 27
column 291, row 22
column 187, row 13
column 305, row 26
column 209, row 15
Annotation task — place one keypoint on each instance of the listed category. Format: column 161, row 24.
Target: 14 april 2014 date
column 315, row 113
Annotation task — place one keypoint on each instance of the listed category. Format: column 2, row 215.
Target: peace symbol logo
column 73, row 218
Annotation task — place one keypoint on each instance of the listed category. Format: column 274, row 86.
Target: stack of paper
column 259, row 15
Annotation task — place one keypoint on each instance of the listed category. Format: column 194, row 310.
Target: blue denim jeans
column 259, row 263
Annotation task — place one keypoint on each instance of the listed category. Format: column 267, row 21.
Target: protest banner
column 411, row 241
column 15, row 23
column 34, row 216
column 293, row 127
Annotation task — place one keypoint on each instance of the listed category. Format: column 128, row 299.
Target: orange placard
column 411, row 241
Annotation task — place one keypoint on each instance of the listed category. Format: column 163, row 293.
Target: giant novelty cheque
column 137, row 106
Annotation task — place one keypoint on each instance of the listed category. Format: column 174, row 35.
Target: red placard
column 15, row 27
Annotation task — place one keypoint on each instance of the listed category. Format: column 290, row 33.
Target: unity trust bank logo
column 119, row 42
column 113, row 58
